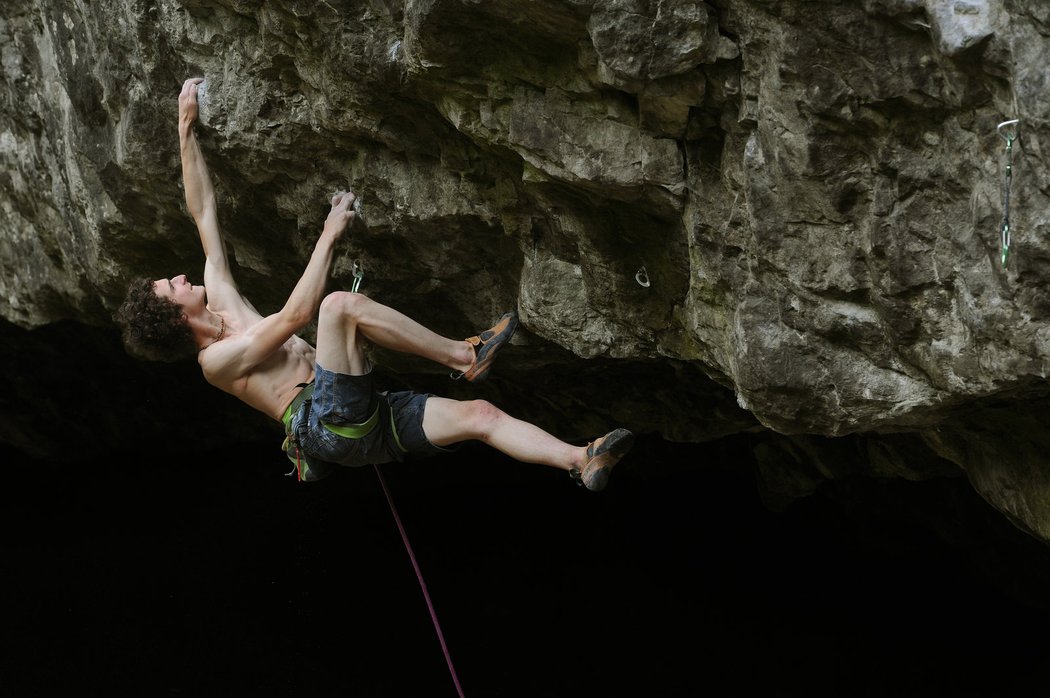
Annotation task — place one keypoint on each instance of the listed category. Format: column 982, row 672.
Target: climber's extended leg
column 446, row 422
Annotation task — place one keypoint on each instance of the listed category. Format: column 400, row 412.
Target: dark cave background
column 167, row 567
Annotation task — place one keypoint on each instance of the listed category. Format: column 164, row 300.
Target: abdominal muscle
column 270, row 386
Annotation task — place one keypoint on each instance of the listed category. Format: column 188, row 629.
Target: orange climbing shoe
column 487, row 344
column 602, row 455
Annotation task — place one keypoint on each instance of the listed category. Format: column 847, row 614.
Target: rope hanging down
column 422, row 584
column 1009, row 135
column 359, row 273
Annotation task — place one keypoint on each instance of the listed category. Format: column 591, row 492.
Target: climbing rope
column 422, row 584
column 1009, row 135
column 359, row 274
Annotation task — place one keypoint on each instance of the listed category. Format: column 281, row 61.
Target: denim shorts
column 341, row 400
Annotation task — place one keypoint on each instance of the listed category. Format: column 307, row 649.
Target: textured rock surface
column 812, row 190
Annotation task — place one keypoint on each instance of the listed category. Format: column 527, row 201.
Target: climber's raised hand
column 341, row 215
column 188, row 102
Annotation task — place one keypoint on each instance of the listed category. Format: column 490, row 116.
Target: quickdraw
column 359, row 273
column 1009, row 135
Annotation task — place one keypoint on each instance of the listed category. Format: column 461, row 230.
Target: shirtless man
column 324, row 396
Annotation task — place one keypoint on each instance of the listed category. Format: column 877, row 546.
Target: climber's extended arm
column 200, row 200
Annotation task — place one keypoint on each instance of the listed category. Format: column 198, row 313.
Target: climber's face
column 180, row 290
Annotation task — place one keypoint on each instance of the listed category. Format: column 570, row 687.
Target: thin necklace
column 222, row 330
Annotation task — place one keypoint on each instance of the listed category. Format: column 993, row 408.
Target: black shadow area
column 180, row 573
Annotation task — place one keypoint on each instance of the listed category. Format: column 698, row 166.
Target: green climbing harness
column 1009, row 135
column 305, row 469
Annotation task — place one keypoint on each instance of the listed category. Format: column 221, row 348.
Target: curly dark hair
column 154, row 328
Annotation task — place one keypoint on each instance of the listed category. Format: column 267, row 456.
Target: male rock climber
column 325, row 396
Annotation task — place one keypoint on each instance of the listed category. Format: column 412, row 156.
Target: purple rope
column 422, row 584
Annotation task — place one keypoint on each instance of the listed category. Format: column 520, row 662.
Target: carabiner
column 1011, row 135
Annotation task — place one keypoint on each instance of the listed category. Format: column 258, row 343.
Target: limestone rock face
column 753, row 215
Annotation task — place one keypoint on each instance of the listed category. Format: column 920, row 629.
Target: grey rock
column 814, row 190
column 960, row 24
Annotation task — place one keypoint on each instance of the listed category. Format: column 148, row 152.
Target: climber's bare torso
column 229, row 331
column 268, row 386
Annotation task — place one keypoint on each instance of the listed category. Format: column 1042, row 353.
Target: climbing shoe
column 486, row 345
column 602, row 455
